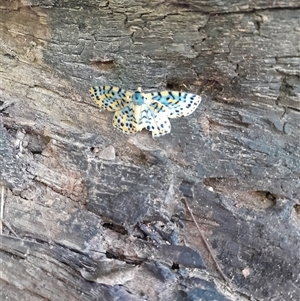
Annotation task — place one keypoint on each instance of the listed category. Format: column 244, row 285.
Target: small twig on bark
column 5, row 105
column 7, row 225
column 1, row 208
column 205, row 242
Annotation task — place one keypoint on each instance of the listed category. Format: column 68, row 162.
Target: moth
column 135, row 110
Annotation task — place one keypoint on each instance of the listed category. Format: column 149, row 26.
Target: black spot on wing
column 172, row 95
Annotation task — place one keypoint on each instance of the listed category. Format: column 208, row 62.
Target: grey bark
column 98, row 214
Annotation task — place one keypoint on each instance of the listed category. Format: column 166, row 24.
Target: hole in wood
column 266, row 195
column 115, row 228
column 297, row 208
column 176, row 86
column 175, row 266
column 104, row 65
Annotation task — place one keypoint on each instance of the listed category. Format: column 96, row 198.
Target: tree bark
column 91, row 213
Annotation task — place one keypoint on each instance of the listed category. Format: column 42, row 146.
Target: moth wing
column 173, row 103
column 110, row 98
column 157, row 123
column 126, row 120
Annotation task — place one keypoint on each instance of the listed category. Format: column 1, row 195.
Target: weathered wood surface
column 99, row 214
